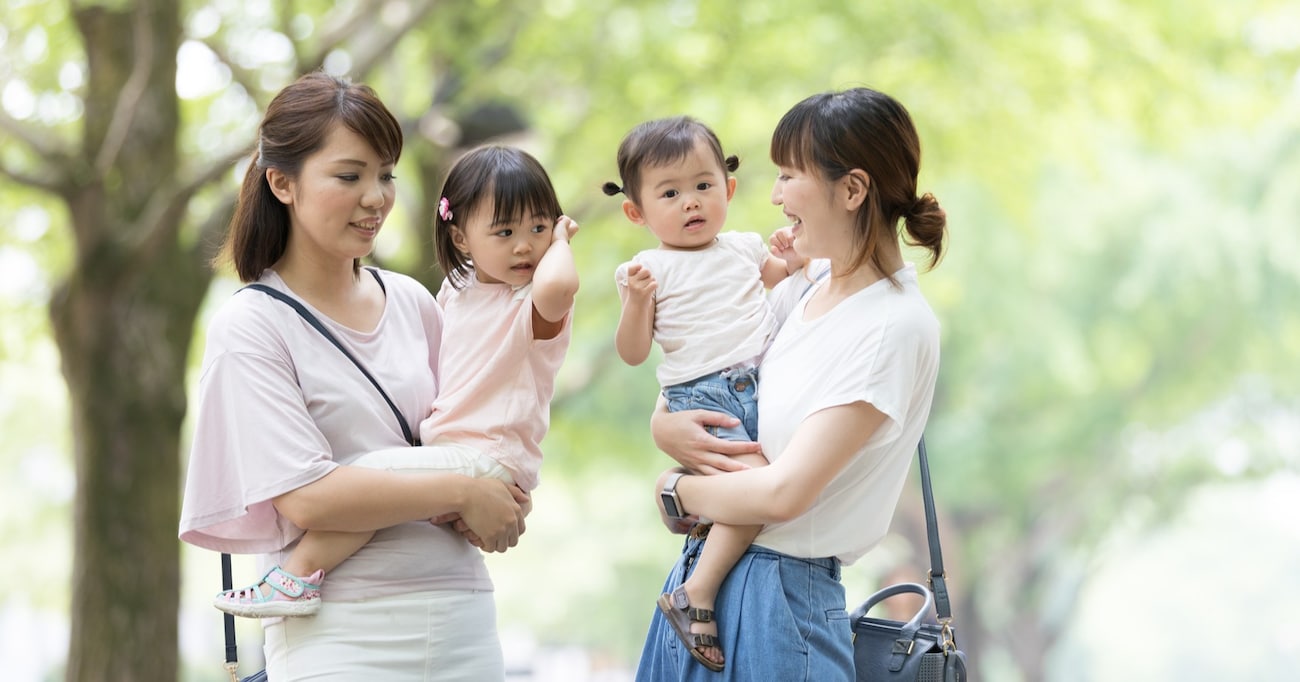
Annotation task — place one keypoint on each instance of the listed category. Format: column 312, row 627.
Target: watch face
column 670, row 505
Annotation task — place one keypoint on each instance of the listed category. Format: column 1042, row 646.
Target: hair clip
column 444, row 209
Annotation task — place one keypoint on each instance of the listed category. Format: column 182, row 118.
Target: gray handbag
column 915, row 651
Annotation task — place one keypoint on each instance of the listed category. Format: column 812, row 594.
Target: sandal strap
column 699, row 615
column 703, row 639
column 683, row 603
column 301, row 586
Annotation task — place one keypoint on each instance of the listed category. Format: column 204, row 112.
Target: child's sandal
column 289, row 595
column 680, row 614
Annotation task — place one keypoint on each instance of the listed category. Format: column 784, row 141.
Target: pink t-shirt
column 279, row 407
column 497, row 380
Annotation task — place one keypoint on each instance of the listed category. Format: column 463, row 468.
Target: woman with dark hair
column 845, row 393
column 282, row 414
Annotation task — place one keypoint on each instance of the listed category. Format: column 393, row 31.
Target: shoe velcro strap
column 279, row 585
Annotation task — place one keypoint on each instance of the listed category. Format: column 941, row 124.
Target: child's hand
column 781, row 244
column 640, row 283
column 564, row 230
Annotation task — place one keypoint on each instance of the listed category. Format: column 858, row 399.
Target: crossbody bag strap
column 938, row 579
column 232, row 649
column 324, row 331
column 826, row 270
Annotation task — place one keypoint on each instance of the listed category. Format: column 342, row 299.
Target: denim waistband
column 830, row 564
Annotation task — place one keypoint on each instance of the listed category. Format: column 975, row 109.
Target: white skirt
column 439, row 635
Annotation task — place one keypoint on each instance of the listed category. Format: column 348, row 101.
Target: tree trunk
column 123, row 321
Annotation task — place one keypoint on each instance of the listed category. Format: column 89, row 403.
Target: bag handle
column 910, row 628
column 907, row 632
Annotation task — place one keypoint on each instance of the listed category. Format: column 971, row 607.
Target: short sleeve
column 253, row 440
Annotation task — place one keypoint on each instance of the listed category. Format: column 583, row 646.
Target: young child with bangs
column 507, row 303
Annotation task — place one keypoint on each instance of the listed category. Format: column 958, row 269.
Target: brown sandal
column 680, row 614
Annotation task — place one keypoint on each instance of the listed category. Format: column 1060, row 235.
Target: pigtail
column 732, row 163
column 610, row 189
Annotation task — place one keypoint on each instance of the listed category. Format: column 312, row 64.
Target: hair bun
column 611, row 189
column 920, row 204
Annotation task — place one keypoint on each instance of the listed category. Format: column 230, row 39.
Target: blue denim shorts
column 779, row 618
column 732, row 391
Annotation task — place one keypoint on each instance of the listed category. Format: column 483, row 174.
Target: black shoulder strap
column 228, row 621
column 938, row 578
column 324, row 331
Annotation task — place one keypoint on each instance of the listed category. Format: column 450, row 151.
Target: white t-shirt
column 879, row 346
column 280, row 407
column 711, row 309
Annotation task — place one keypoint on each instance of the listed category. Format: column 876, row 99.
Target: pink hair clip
column 444, row 209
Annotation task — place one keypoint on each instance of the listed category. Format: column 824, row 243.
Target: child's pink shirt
column 496, row 381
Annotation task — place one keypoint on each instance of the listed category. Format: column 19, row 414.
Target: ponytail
column 259, row 229
column 926, row 224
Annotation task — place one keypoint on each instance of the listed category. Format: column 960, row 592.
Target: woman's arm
column 361, row 499
column 822, row 446
column 682, row 436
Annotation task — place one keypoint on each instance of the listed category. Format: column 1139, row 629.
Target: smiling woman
column 284, row 420
column 337, row 201
column 845, row 388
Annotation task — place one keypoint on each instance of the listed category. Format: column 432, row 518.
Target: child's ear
column 281, row 185
column 458, row 238
column 633, row 212
column 731, row 188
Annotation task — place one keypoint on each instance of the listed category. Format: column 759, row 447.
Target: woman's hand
column 683, row 436
column 525, row 501
column 493, row 516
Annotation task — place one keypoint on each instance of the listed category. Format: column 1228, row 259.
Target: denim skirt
column 780, row 618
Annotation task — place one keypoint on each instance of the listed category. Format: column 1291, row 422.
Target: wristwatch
column 672, row 503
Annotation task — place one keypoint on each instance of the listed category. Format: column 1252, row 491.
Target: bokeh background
column 1116, row 436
